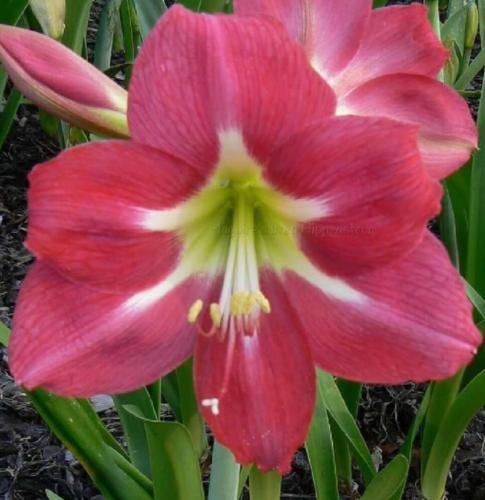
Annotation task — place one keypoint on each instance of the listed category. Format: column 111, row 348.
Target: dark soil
column 31, row 458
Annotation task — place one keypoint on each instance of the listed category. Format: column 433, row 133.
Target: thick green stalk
column 224, row 479
column 264, row 486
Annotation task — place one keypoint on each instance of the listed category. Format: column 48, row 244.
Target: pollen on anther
column 263, row 302
column 212, row 403
column 215, row 314
column 194, row 311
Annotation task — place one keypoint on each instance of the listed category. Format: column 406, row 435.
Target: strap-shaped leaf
column 77, row 425
column 12, row 11
column 174, row 462
column 320, row 450
column 388, row 481
column 225, row 475
column 134, row 428
column 149, row 12
column 407, row 447
column 77, row 17
column 338, row 409
column 468, row 403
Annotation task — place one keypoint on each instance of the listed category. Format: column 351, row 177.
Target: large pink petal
column 329, row 30
column 367, row 175
column 413, row 321
column 265, row 386
column 199, row 75
column 87, row 209
column 447, row 134
column 77, row 342
column 62, row 83
column 398, row 39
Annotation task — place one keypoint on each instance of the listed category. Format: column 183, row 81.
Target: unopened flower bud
column 471, row 25
column 62, row 83
column 51, row 15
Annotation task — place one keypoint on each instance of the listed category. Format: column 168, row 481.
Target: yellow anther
column 194, row 311
column 239, row 303
column 244, row 302
column 263, row 302
column 216, row 314
column 251, row 301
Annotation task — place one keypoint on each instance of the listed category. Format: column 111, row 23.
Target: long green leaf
column 380, row 3
column 224, row 479
column 105, row 34
column 77, row 17
column 52, row 496
column 127, row 26
column 407, row 447
column 454, row 6
column 448, row 229
column 149, row 12
column 8, row 114
column 264, row 486
column 191, row 417
column 468, row 403
column 174, row 462
column 4, row 334
column 133, row 428
column 475, row 270
column 458, row 196
column 205, row 5
column 320, row 450
column 453, row 30
column 476, row 242
column 351, row 392
column 338, row 409
column 155, row 392
column 11, row 11
column 243, row 477
column 170, row 392
column 77, row 425
column 471, row 71
column 442, row 396
column 389, row 480
column 476, row 299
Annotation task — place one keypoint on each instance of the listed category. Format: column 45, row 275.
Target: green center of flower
column 238, row 236
column 240, row 224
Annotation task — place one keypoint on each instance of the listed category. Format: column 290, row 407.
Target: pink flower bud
column 62, row 83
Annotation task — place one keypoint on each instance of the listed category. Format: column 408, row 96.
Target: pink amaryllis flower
column 381, row 62
column 247, row 225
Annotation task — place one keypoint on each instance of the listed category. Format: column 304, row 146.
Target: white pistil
column 241, row 300
column 212, row 403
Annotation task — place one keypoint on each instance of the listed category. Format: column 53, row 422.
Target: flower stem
column 264, row 486
column 224, row 478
